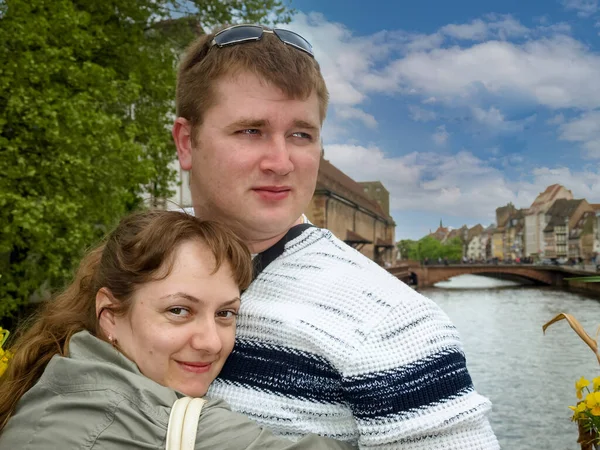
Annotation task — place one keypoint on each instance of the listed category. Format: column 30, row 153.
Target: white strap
column 183, row 423
column 176, row 419
column 190, row 424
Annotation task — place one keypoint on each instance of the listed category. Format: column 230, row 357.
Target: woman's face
column 181, row 329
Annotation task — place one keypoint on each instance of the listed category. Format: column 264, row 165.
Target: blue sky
column 460, row 107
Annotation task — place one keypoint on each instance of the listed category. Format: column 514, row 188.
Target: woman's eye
column 227, row 314
column 179, row 311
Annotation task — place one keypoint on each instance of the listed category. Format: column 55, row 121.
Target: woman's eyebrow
column 196, row 299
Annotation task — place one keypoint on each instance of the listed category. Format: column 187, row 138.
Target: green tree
column 86, row 98
column 453, row 249
column 406, row 247
column 431, row 248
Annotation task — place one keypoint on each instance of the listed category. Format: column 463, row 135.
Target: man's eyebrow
column 306, row 125
column 246, row 123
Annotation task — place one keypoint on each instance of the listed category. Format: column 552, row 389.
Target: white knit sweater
column 330, row 343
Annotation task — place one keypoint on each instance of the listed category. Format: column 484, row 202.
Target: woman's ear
column 104, row 313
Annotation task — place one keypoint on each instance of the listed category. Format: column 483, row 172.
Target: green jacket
column 97, row 399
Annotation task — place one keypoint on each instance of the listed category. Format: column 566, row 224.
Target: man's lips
column 273, row 193
column 273, row 188
column 195, row 367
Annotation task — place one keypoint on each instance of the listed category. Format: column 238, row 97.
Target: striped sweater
column 330, row 343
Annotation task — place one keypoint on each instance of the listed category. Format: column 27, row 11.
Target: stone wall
column 339, row 217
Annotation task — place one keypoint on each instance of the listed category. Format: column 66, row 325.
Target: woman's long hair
column 133, row 254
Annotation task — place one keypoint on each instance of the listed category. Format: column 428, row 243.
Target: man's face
column 256, row 157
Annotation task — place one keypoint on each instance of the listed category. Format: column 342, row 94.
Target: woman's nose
column 207, row 339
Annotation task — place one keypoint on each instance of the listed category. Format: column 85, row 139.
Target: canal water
column 529, row 377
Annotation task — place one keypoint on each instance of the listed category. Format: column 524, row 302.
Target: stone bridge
column 431, row 274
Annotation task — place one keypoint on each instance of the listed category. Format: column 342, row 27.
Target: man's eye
column 302, row 135
column 250, row 131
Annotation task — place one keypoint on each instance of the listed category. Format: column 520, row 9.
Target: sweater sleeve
column 408, row 385
column 220, row 428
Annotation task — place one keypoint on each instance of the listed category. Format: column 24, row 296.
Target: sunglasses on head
column 239, row 34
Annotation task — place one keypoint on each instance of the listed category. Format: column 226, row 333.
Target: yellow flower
column 596, row 382
column 580, row 386
column 592, row 401
column 578, row 410
column 5, row 355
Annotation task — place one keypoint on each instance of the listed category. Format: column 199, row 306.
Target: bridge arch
column 430, row 275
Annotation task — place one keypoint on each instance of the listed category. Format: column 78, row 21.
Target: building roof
column 595, row 206
column 545, row 198
column 475, row 231
column 384, row 243
column 355, row 238
column 561, row 210
column 579, row 228
column 503, row 213
column 376, row 184
column 334, row 180
column 457, row 232
column 440, row 234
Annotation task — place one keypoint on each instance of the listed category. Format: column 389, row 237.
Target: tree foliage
column 406, row 248
column 86, row 99
column 432, row 249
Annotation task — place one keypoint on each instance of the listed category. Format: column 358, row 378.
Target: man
column 328, row 342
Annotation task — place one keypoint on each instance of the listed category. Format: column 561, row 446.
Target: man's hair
column 293, row 71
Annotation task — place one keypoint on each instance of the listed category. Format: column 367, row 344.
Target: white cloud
column 460, row 185
column 358, row 114
column 494, row 120
column 419, row 114
column 585, row 130
column 584, row 8
column 492, row 117
column 556, row 120
column 545, row 66
column 423, row 42
column 583, row 184
column 440, row 137
column 465, row 67
column 556, row 72
column 476, row 30
column 496, row 27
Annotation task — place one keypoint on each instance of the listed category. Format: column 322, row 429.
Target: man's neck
column 263, row 244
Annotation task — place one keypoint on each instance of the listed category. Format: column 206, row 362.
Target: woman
column 149, row 318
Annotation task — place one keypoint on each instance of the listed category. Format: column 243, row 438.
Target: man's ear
column 182, row 135
column 104, row 312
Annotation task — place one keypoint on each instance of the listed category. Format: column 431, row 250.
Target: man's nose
column 276, row 158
